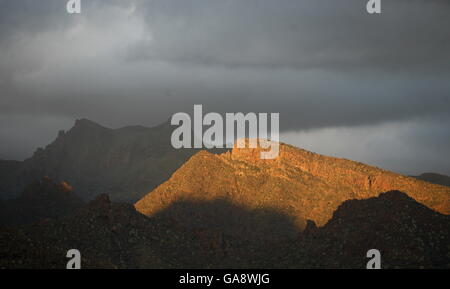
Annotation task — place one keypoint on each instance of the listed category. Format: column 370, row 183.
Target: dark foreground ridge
column 220, row 234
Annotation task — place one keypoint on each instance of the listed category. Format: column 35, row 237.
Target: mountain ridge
column 299, row 182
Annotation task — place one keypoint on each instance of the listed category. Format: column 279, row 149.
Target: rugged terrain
column 299, row 183
column 114, row 235
column 234, row 210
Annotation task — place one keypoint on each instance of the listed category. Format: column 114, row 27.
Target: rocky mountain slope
column 299, row 183
column 125, row 162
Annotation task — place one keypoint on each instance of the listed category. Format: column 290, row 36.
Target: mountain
column 125, row 162
column 434, row 178
column 299, row 183
column 40, row 200
column 219, row 234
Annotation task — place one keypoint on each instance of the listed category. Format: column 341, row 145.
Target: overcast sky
column 372, row 88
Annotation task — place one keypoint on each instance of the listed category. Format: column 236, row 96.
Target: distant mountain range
column 434, row 178
column 125, row 162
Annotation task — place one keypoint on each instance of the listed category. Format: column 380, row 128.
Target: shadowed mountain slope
column 125, row 162
column 8, row 178
column 299, row 183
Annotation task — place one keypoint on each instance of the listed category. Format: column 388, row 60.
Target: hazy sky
column 373, row 88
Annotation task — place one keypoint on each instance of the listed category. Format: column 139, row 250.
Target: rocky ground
column 220, row 234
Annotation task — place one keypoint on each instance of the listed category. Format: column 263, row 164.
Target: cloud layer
column 323, row 65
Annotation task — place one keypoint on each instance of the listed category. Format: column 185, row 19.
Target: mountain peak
column 86, row 123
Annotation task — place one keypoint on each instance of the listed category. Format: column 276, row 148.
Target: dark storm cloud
column 319, row 63
column 299, row 34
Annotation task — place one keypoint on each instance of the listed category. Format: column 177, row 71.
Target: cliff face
column 299, row 183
